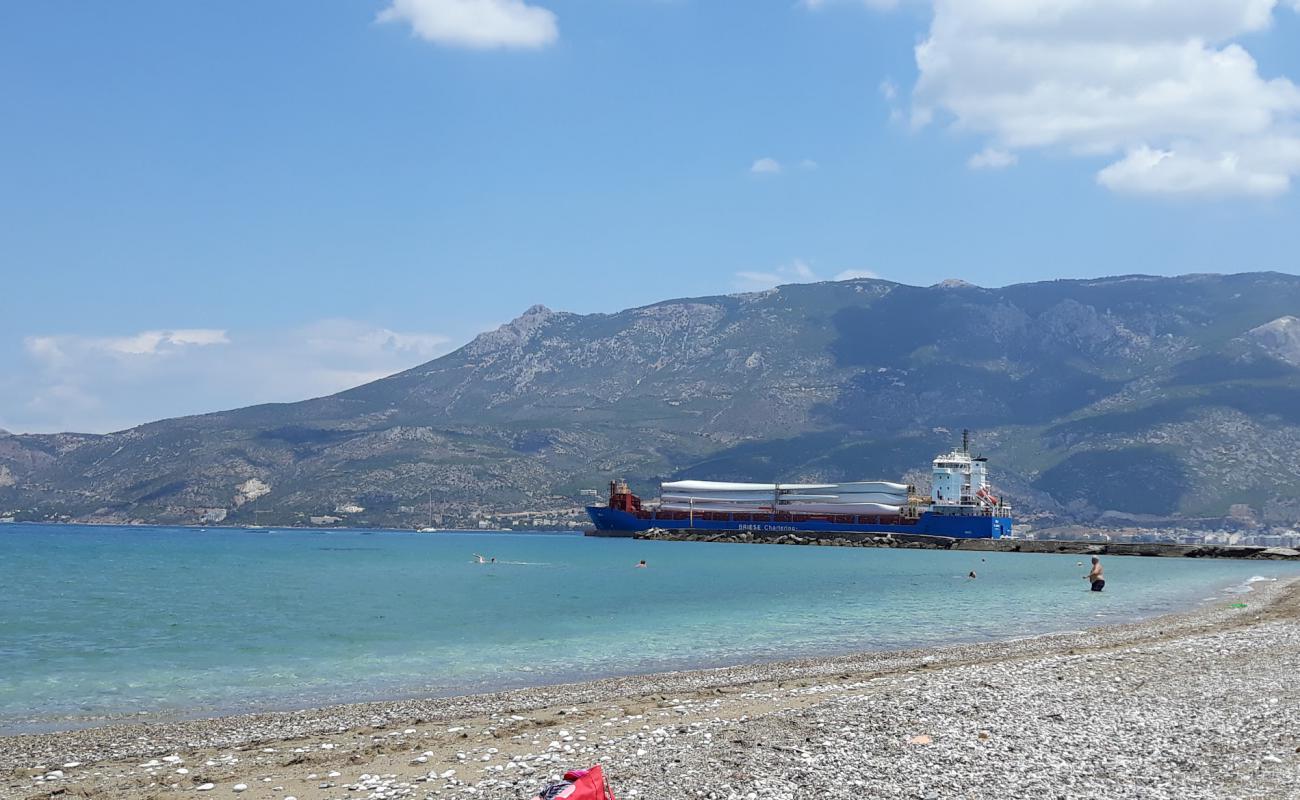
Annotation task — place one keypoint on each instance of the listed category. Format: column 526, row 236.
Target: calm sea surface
column 102, row 621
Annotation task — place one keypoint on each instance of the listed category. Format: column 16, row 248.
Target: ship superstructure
column 959, row 483
column 961, row 504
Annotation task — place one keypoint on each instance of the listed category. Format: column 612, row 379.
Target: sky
column 209, row 205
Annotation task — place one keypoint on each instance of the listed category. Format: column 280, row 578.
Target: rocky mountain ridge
column 1161, row 400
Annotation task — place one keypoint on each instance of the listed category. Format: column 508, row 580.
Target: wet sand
column 1200, row 704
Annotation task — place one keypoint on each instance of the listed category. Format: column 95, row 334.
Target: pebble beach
column 1202, row 704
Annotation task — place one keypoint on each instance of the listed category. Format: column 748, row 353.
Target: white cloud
column 1145, row 170
column 1158, row 87
column 855, row 274
column 770, row 166
column 481, row 24
column 888, row 90
column 991, row 158
column 102, row 383
column 160, row 343
column 796, row 271
column 56, row 350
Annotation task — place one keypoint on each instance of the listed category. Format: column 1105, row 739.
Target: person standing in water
column 1096, row 576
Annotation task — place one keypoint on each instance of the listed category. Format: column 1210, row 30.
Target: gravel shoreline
column 1200, row 704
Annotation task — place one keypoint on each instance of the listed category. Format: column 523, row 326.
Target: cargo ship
column 961, row 505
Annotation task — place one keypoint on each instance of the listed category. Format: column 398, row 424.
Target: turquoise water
column 102, row 621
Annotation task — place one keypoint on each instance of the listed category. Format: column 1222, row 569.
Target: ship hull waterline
column 614, row 522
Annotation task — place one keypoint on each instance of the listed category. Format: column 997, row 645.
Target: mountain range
column 1164, row 401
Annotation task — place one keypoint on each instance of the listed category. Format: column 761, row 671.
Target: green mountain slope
column 1164, row 397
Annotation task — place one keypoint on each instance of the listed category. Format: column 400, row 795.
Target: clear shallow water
column 107, row 621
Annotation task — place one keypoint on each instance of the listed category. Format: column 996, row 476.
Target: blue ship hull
column 614, row 521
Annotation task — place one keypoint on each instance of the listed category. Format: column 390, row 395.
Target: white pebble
column 240, row 787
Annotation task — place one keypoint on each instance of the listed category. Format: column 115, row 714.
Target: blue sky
column 210, row 205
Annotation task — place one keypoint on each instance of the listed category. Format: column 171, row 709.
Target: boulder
column 1277, row 553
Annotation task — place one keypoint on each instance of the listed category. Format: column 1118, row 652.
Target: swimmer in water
column 641, row 564
column 972, row 574
column 1095, row 576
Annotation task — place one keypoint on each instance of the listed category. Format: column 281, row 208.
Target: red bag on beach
column 579, row 784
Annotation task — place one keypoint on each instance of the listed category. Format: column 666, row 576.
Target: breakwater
column 916, row 542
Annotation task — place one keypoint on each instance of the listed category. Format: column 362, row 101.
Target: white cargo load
column 715, row 487
column 866, row 509
column 867, row 486
column 893, row 498
column 701, row 487
column 840, row 508
column 717, row 508
column 728, row 498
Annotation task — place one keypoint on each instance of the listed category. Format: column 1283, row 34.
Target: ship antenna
column 965, row 440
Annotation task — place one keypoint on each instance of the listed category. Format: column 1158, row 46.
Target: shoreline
column 364, row 737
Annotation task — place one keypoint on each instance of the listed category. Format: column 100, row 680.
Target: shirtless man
column 1096, row 576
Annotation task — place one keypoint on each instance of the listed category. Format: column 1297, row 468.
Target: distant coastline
column 297, row 528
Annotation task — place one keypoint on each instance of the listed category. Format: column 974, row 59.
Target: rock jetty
column 914, row 542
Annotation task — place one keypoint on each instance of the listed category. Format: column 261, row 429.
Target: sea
column 101, row 623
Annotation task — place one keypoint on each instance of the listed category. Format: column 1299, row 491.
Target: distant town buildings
column 1265, row 537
